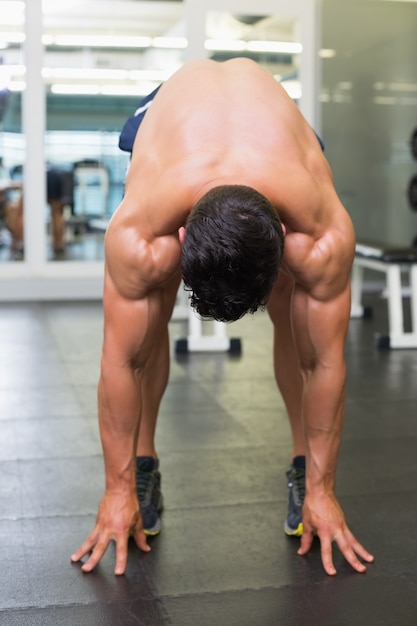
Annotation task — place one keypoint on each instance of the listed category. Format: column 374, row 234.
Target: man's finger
column 121, row 556
column 327, row 556
column 306, row 542
column 141, row 541
column 96, row 556
column 347, row 545
column 87, row 546
column 359, row 549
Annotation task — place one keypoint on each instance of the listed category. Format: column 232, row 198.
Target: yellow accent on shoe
column 295, row 533
column 152, row 533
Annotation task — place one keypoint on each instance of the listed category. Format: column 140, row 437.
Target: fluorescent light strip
column 283, row 47
column 152, row 75
column 12, row 37
column 169, row 42
column 83, row 73
column 327, row 53
column 110, row 41
column 293, row 88
column 225, row 44
column 104, row 90
column 402, row 87
column 16, row 85
column 13, row 70
column 99, row 41
column 279, row 47
column 86, row 90
column 68, row 73
column 12, row 12
column 129, row 90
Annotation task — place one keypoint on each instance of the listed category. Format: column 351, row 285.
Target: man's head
column 231, row 254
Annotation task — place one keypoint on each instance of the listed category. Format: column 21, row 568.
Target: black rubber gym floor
column 223, row 440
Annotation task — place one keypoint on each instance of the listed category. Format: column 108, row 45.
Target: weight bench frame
column 393, row 263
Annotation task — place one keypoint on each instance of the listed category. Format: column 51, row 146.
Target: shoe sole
column 155, row 530
column 294, row 532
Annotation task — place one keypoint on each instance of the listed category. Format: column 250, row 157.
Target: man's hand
column 118, row 519
column 323, row 516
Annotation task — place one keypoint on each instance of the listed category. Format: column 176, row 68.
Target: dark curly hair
column 231, row 253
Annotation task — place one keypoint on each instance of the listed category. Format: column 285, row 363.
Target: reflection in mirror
column 270, row 40
column 98, row 65
column 84, row 185
column 12, row 149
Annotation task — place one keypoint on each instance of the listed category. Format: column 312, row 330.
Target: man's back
column 231, row 123
column 224, row 120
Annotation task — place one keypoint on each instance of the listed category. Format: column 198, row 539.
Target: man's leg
column 14, row 222
column 290, row 384
column 153, row 385
column 58, row 226
column 286, row 365
column 55, row 193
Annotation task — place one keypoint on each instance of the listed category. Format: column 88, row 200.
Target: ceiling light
column 169, row 42
column 159, row 76
column 12, row 12
column 69, row 73
column 390, row 100
column 402, row 87
column 128, row 90
column 225, row 44
column 87, row 90
column 12, row 37
column 279, row 47
column 101, row 41
column 16, row 85
column 293, row 88
column 13, row 70
column 327, row 53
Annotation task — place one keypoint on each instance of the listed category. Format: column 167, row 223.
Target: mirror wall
column 12, row 142
column 71, row 73
column 369, row 111
column 99, row 59
column 271, row 40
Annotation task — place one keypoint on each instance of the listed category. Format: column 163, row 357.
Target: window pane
column 369, row 104
column 12, row 149
column 270, row 40
column 101, row 58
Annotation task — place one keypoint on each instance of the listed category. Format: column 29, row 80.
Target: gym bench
column 197, row 340
column 395, row 263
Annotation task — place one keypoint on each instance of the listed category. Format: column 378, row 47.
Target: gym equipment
column 413, row 143
column 394, row 263
column 197, row 341
column 412, row 193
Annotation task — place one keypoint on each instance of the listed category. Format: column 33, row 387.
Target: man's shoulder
column 321, row 264
column 139, row 264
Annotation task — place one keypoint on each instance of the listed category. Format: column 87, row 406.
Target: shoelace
column 298, row 476
column 144, row 484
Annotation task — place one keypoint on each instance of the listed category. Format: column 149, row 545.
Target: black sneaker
column 296, row 475
column 148, row 487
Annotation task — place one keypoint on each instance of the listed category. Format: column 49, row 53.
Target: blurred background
column 72, row 71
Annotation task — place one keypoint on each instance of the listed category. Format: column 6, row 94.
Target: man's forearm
column 323, row 411
column 119, row 416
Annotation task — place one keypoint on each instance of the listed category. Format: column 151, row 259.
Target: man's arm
column 130, row 328
column 320, row 328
